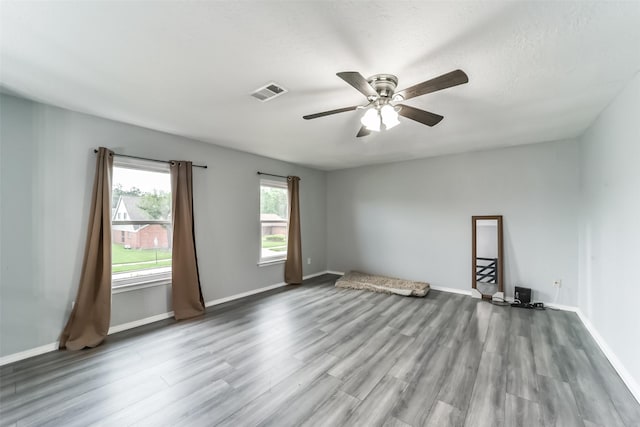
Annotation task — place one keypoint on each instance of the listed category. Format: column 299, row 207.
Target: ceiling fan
column 383, row 108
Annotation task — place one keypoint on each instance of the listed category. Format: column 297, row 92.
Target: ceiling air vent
column 268, row 92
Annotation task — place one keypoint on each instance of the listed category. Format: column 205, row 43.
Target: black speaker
column 523, row 295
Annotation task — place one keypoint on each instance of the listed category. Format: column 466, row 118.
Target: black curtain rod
column 270, row 174
column 151, row 160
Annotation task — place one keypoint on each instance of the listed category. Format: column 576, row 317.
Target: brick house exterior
column 137, row 236
column 272, row 227
column 143, row 238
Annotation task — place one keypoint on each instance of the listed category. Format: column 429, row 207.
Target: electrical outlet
column 557, row 283
column 308, row 260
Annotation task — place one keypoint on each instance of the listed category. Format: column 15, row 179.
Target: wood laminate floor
column 316, row 355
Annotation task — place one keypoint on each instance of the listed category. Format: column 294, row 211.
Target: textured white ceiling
column 538, row 71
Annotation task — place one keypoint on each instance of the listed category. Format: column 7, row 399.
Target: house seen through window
column 140, row 223
column 274, row 211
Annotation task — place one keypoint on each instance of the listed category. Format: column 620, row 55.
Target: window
column 141, row 223
column 274, row 212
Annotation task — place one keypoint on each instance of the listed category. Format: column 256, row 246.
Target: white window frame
column 148, row 280
column 272, row 259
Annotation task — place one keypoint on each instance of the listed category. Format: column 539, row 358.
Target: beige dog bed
column 389, row 285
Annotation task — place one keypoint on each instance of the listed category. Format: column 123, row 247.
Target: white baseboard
column 476, row 294
column 243, row 294
column 162, row 316
column 15, row 357
column 309, row 276
column 626, row 377
column 451, row 290
column 256, row 291
column 140, row 322
column 339, row 273
column 561, row 307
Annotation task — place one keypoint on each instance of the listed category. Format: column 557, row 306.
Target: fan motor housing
column 384, row 84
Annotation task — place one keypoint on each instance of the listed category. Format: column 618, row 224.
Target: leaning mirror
column 487, row 257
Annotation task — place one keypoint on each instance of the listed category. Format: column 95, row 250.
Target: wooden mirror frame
column 500, row 252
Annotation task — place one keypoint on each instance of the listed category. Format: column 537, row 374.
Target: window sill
column 266, row 263
column 127, row 286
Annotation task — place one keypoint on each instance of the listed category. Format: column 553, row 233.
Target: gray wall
column 413, row 219
column 610, row 227
column 487, row 240
column 47, row 166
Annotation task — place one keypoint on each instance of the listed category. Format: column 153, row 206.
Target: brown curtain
column 88, row 323
column 293, row 265
column 186, row 292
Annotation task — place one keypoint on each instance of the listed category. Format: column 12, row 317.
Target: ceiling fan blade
column 444, row 81
column 363, row 132
column 330, row 112
column 424, row 117
column 356, row 80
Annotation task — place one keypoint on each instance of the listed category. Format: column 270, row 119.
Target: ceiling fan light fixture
column 382, row 106
column 389, row 116
column 371, row 119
